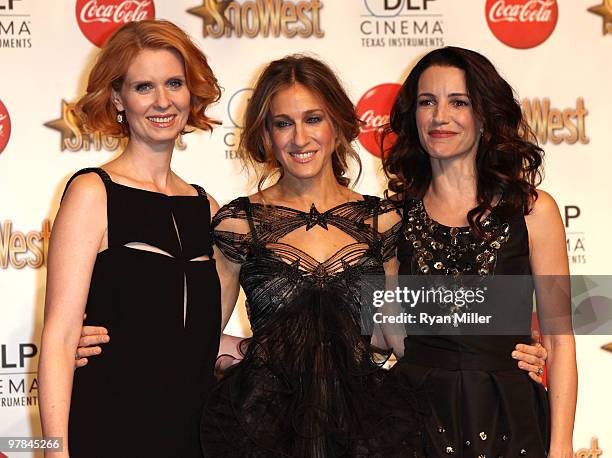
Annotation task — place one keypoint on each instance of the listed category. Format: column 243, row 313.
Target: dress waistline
column 424, row 355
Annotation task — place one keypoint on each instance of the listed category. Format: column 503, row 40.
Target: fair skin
column 450, row 132
column 156, row 101
column 304, row 138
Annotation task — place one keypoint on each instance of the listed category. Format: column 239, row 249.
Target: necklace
column 453, row 250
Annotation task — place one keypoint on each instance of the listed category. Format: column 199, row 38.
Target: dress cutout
column 308, row 382
column 143, row 396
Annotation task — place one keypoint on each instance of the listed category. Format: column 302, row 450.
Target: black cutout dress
column 479, row 403
column 308, row 382
column 143, row 396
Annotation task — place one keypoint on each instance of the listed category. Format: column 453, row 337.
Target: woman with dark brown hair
column 301, row 249
column 465, row 169
column 131, row 247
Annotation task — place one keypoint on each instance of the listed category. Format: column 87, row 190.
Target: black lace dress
column 307, row 384
column 479, row 404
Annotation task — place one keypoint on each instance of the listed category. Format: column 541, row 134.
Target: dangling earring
column 481, row 130
column 120, row 117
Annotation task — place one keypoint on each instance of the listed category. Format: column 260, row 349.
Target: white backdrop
column 556, row 54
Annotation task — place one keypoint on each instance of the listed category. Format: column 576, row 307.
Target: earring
column 120, row 118
column 481, row 130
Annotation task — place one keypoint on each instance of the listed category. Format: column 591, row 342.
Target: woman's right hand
column 89, row 344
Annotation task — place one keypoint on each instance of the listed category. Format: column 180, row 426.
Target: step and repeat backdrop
column 557, row 54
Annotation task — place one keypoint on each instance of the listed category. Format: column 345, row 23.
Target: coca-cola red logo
column 522, row 24
column 5, row 127
column 99, row 18
column 374, row 109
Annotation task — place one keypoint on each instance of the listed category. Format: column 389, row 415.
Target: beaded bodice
column 285, row 253
column 437, row 249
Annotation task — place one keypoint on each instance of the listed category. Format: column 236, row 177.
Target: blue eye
column 313, row 119
column 175, row 83
column 143, row 87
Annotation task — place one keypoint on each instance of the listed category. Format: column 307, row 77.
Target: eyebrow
column 176, row 77
column 305, row 113
column 452, row 94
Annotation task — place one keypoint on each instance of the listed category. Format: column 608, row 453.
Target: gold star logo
column 211, row 9
column 65, row 125
column 605, row 11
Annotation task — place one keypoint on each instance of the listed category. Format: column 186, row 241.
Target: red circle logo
column 98, row 19
column 374, row 109
column 522, row 24
column 5, row 127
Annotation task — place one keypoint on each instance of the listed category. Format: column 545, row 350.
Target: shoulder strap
column 248, row 209
column 200, row 190
column 373, row 202
column 100, row 172
column 375, row 218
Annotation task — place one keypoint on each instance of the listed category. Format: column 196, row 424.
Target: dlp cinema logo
column 401, row 23
column 235, row 114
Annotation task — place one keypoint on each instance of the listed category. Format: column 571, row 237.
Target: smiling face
column 447, row 125
column 302, row 132
column 155, row 97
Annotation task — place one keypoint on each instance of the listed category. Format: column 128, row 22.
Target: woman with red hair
column 131, row 247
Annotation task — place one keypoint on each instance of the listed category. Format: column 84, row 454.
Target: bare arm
column 73, row 248
column 549, row 265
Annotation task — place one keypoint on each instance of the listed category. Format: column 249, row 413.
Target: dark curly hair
column 508, row 159
column 256, row 144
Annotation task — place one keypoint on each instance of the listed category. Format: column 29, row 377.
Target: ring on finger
column 540, row 371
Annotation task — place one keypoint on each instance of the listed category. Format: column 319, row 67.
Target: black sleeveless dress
column 478, row 403
column 307, row 384
column 143, row 396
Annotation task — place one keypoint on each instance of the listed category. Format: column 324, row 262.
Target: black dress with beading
column 478, row 402
column 143, row 396
column 307, row 384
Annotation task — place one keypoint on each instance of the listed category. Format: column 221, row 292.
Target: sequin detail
column 453, row 250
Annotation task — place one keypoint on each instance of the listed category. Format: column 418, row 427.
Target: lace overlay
column 307, row 384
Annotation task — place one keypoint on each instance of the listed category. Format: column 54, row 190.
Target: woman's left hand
column 531, row 358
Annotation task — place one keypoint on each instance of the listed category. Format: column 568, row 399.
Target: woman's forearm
column 56, row 369
column 562, row 377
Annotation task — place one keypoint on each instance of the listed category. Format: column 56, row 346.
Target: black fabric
column 478, row 402
column 143, row 396
column 308, row 382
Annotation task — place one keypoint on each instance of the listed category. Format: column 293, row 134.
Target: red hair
column 95, row 109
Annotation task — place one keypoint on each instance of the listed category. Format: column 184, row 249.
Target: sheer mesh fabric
column 307, row 384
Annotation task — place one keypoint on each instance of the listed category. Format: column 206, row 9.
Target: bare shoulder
column 544, row 206
column 87, row 189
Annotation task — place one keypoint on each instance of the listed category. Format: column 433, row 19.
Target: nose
column 162, row 101
column 440, row 115
column 300, row 137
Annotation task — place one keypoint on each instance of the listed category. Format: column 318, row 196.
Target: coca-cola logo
column 522, row 24
column 374, row 109
column 5, row 127
column 98, row 19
